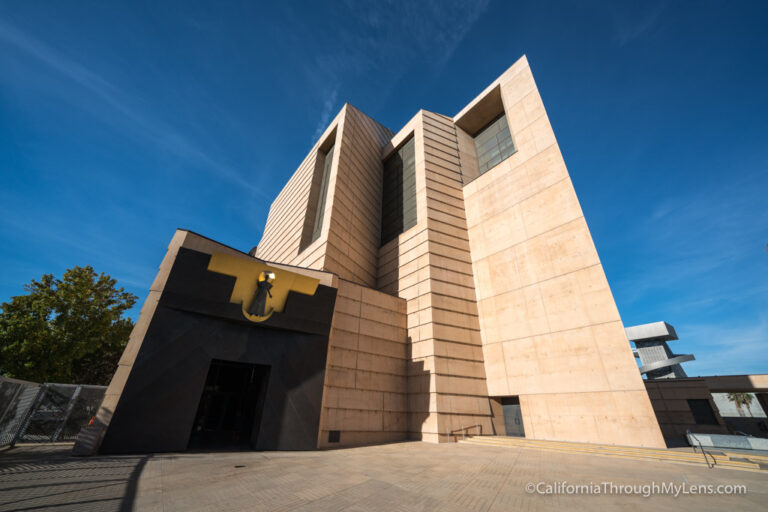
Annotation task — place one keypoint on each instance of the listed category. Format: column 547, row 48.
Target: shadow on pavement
column 47, row 477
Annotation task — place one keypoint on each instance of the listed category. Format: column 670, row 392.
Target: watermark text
column 645, row 490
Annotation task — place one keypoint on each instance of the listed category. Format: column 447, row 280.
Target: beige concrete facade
column 551, row 332
column 366, row 382
column 500, row 281
column 350, row 233
column 430, row 266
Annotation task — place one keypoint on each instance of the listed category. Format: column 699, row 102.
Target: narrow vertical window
column 493, row 144
column 320, row 212
column 398, row 204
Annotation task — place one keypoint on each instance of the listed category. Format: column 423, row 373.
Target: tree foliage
column 68, row 330
column 741, row 399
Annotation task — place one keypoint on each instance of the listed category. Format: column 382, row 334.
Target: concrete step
column 698, row 462
column 517, row 441
column 624, row 452
column 569, row 444
column 566, row 444
column 633, row 454
column 720, row 456
column 744, row 455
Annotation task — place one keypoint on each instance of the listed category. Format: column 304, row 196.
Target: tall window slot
column 320, row 212
column 398, row 204
column 493, row 144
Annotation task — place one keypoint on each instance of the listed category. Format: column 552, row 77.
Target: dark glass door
column 513, row 417
column 230, row 407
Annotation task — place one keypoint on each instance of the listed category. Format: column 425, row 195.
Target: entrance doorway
column 230, row 407
column 513, row 417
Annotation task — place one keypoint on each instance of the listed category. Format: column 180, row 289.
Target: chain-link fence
column 16, row 399
column 44, row 413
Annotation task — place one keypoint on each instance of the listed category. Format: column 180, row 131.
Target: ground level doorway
column 513, row 417
column 230, row 407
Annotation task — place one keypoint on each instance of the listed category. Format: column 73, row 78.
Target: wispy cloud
column 430, row 30
column 629, row 24
column 726, row 349
column 700, row 265
column 123, row 111
column 325, row 114
column 690, row 237
column 89, row 243
column 386, row 39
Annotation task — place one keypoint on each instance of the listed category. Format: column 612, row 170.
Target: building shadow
column 47, row 476
column 418, row 396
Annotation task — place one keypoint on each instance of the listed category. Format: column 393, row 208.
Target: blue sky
column 121, row 122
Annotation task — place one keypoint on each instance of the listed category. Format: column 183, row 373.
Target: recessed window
column 702, row 411
column 493, row 144
column 320, row 212
column 398, row 202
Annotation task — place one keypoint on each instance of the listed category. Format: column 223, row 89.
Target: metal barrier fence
column 44, row 413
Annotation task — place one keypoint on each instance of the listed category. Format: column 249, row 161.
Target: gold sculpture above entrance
column 260, row 288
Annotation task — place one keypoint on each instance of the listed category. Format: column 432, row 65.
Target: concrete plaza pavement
column 397, row 477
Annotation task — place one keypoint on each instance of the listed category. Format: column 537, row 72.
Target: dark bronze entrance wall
column 193, row 322
column 670, row 400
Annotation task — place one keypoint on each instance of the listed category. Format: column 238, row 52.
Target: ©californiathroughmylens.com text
column 645, row 490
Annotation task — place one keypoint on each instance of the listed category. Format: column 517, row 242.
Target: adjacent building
column 656, row 358
column 417, row 284
column 689, row 404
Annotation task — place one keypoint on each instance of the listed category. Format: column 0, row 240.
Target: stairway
column 745, row 462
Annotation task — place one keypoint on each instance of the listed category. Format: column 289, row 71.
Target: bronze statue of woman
column 259, row 304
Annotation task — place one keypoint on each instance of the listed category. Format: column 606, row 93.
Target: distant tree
column 741, row 400
column 68, row 330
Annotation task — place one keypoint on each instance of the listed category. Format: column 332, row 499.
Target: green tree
column 741, row 399
column 68, row 330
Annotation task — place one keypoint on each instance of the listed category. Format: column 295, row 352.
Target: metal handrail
column 464, row 430
column 703, row 451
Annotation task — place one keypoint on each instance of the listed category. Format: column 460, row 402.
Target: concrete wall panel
column 550, row 328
